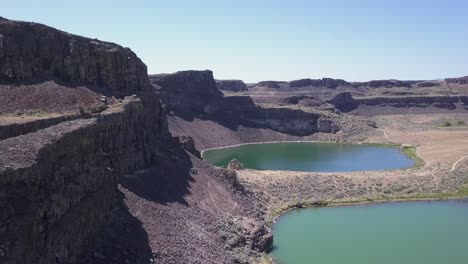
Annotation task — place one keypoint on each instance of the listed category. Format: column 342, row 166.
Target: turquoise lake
column 311, row 156
column 388, row 233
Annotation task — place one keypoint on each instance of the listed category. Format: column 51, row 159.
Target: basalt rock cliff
column 345, row 102
column 193, row 95
column 460, row 80
column 231, row 85
column 32, row 52
column 324, row 82
column 59, row 184
column 108, row 186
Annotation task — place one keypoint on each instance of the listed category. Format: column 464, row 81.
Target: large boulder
column 344, row 102
column 262, row 239
column 235, row 165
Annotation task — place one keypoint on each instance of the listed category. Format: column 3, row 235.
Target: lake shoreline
column 295, row 220
column 279, row 192
column 314, row 156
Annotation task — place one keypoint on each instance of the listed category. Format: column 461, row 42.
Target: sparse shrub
column 19, row 112
column 448, row 124
column 460, row 122
column 32, row 112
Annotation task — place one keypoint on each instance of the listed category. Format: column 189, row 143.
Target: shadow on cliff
column 168, row 180
column 235, row 111
column 122, row 240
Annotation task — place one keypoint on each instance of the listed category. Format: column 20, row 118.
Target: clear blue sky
column 273, row 39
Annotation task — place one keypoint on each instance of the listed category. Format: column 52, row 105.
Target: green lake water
column 311, row 156
column 389, row 233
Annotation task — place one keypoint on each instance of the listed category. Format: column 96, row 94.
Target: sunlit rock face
column 35, row 52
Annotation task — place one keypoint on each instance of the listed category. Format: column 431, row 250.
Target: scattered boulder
column 189, row 145
column 262, row 239
column 235, row 165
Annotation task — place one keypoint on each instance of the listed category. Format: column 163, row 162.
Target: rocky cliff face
column 447, row 102
column 188, row 82
column 385, row 83
column 31, row 52
column 345, row 102
column 325, row 82
column 231, row 85
column 269, row 84
column 62, row 180
column 59, row 184
column 460, row 80
column 193, row 94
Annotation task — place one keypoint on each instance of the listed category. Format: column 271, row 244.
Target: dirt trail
column 454, row 166
column 386, row 136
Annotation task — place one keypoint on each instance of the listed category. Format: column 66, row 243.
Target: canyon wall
column 193, row 95
column 57, row 185
column 345, row 102
column 59, row 173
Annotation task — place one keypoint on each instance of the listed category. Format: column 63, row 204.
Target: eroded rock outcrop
column 231, row 85
column 193, row 94
column 324, row 82
column 189, row 145
column 446, row 102
column 344, row 102
column 460, row 80
column 385, row 83
column 31, row 52
column 235, row 165
column 188, row 82
column 269, row 84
